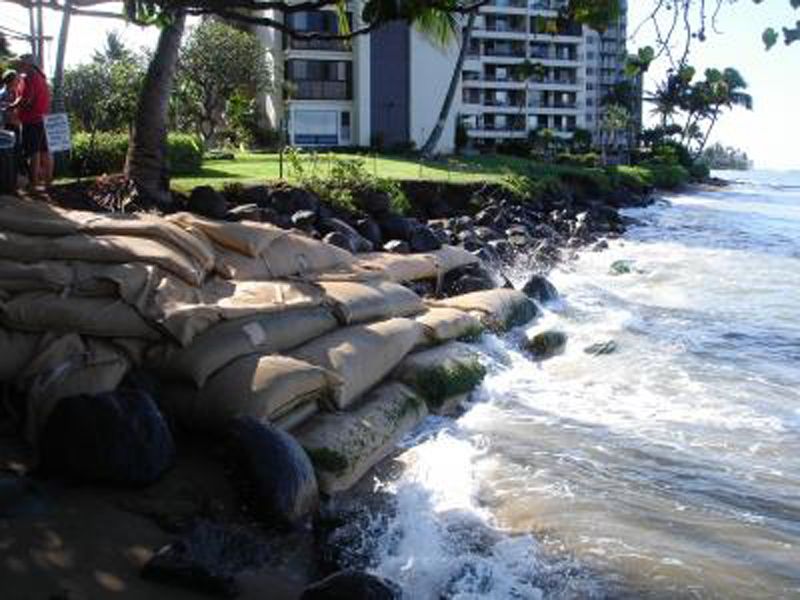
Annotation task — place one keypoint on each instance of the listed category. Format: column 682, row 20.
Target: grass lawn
column 252, row 168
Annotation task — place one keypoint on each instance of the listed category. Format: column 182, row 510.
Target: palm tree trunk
column 58, row 74
column 432, row 142
column 146, row 164
column 705, row 139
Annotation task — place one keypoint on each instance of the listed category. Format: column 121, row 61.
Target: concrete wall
column 431, row 69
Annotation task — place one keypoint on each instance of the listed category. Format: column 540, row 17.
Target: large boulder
column 546, row 344
column 353, row 585
column 540, row 289
column 423, row 239
column 374, row 202
column 288, row 200
column 395, row 227
column 357, row 241
column 370, row 230
column 207, row 559
column 273, row 471
column 118, row 437
column 208, row 202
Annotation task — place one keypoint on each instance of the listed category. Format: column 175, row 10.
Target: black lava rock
column 288, row 200
column 352, row 585
column 208, row 202
column 540, row 289
column 118, row 437
column 546, row 344
column 370, row 230
column 374, row 202
column 340, row 240
column 395, row 227
column 245, row 212
column 207, row 559
column 274, row 473
column 424, row 240
column 357, row 241
column 397, row 247
column 304, row 219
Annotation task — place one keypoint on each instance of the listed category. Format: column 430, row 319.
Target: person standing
column 8, row 116
column 32, row 105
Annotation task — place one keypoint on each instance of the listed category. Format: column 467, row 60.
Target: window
column 320, row 79
column 316, row 127
column 345, row 126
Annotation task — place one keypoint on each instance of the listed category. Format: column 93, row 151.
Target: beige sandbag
column 296, row 254
column 229, row 340
column 38, row 218
column 100, row 317
column 441, row 373
column 399, row 267
column 297, row 416
column 16, row 351
column 361, row 355
column 499, row 309
column 445, row 324
column 16, row 276
column 248, row 238
column 357, row 302
column 344, row 446
column 414, row 267
column 233, row 265
column 69, row 366
column 263, row 387
column 101, row 249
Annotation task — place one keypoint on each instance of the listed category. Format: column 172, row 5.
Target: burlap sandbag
column 99, row 317
column 414, row 267
column 249, row 239
column 442, row 372
column 229, row 340
column 445, row 324
column 38, row 218
column 102, row 249
column 16, row 351
column 361, row 355
column 297, row 416
column 69, row 366
column 297, row 254
column 263, row 387
column 344, row 446
column 355, row 302
column 17, row 276
column 500, row 309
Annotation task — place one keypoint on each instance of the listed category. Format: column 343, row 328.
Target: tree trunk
column 58, row 74
column 146, row 164
column 432, row 142
column 702, row 147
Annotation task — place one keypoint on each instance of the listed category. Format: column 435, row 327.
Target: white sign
column 58, row 136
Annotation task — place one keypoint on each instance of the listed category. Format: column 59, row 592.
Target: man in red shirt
column 32, row 105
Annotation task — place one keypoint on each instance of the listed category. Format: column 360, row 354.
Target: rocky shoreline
column 221, row 549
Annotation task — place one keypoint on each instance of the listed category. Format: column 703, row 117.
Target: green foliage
column 102, row 95
column 588, row 159
column 104, row 153
column 340, row 181
column 221, row 68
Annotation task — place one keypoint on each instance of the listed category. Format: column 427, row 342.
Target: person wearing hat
column 9, row 119
column 32, row 105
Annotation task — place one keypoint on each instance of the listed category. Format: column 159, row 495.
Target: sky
column 768, row 134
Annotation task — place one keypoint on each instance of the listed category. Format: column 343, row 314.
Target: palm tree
column 723, row 90
column 616, row 118
column 440, row 23
column 146, row 163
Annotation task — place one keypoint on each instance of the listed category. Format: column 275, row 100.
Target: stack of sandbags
column 499, row 310
column 446, row 324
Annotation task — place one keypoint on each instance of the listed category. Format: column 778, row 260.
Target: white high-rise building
column 526, row 69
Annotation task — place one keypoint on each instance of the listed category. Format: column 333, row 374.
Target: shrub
column 588, row 159
column 700, row 171
column 104, row 153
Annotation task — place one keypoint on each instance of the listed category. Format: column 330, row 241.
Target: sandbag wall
column 236, row 319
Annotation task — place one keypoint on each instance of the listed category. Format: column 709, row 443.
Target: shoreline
column 141, row 529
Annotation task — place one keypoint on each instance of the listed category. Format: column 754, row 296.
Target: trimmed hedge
column 105, row 154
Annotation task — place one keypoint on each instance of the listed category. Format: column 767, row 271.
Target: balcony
column 322, row 90
column 319, row 44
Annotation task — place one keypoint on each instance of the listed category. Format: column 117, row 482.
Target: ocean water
column 668, row 469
